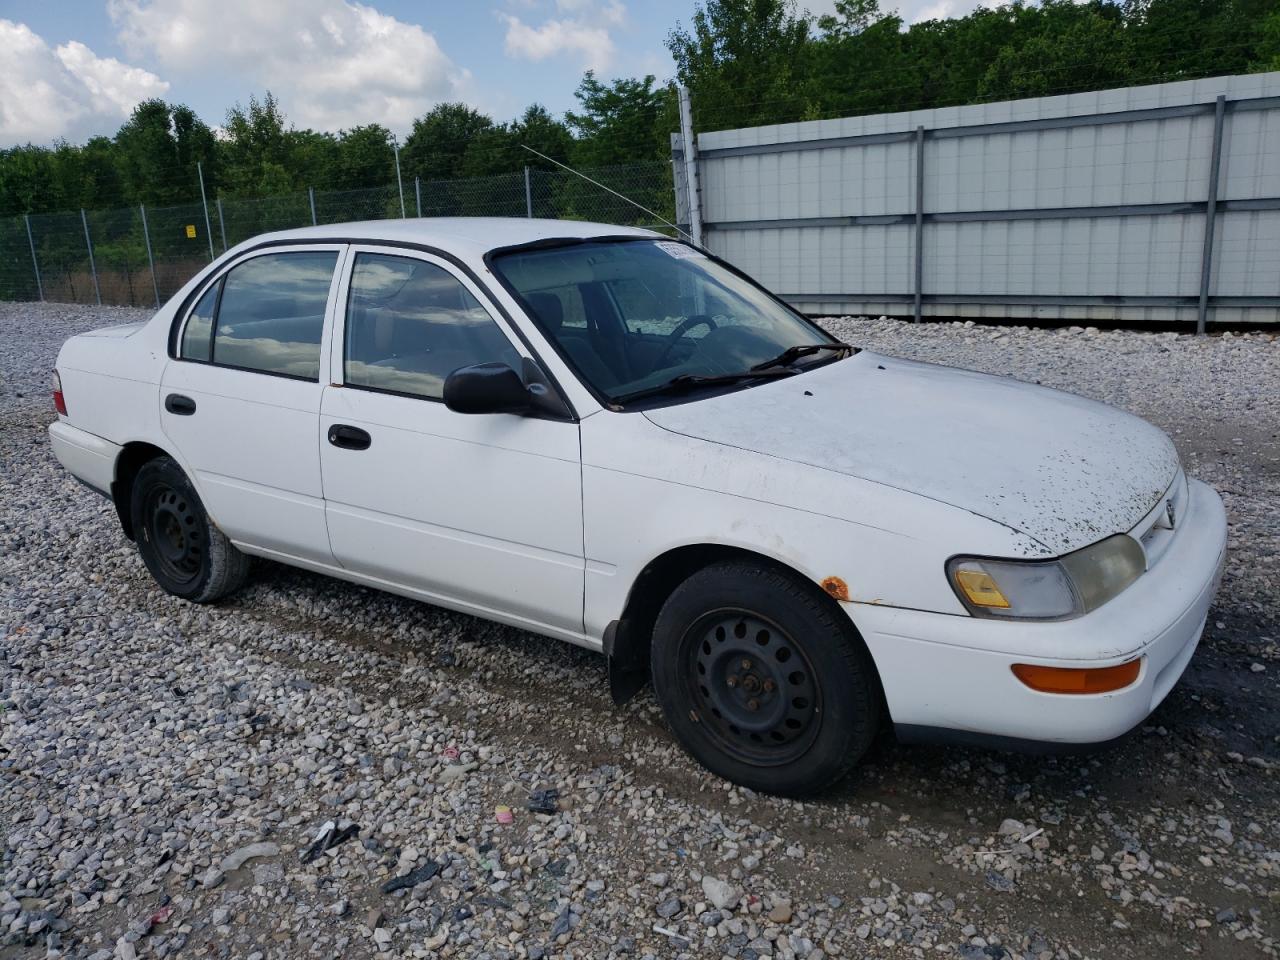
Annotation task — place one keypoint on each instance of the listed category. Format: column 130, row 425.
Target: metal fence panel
column 178, row 245
column 121, row 256
column 1089, row 206
column 177, row 239
column 17, row 271
column 242, row 218
column 348, row 206
column 63, row 257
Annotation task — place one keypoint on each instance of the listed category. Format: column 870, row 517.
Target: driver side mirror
column 486, row 388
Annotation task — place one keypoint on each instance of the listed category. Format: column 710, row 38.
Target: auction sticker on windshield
column 678, row 250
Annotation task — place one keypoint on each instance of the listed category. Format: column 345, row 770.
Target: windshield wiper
column 688, row 381
column 792, row 354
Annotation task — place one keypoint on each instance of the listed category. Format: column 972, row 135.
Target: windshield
column 631, row 316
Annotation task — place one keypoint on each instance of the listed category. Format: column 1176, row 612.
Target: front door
column 241, row 401
column 479, row 512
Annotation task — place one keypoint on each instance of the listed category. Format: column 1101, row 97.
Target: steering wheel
column 697, row 320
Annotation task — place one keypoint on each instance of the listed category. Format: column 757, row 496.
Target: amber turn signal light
column 1073, row 680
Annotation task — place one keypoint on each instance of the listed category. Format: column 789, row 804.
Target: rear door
column 241, row 401
column 480, row 512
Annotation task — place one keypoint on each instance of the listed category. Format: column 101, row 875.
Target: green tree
column 1176, row 39
column 156, row 152
column 439, row 140
column 1268, row 55
column 744, row 61
column 621, row 122
column 1065, row 47
column 255, row 152
column 28, row 182
column 364, row 158
column 499, row 150
column 313, row 158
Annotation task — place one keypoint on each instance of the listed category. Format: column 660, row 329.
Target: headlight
column 1047, row 589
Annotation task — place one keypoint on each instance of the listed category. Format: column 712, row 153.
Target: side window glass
column 197, row 336
column 410, row 324
column 271, row 315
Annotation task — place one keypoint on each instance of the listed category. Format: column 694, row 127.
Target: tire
column 762, row 681
column 187, row 555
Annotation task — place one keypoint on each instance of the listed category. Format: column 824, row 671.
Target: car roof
column 473, row 236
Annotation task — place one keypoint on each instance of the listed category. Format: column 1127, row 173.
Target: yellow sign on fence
column 191, row 231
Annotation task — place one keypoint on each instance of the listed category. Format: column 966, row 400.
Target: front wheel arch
column 762, row 681
column 628, row 639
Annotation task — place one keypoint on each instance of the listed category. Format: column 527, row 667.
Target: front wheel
column 762, row 681
column 187, row 555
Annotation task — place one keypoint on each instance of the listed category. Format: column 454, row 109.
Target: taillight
column 59, row 401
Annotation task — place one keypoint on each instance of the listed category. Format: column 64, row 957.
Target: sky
column 72, row 69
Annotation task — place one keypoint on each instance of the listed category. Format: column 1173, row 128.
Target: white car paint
column 870, row 469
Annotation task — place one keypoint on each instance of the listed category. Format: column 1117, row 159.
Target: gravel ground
column 164, row 767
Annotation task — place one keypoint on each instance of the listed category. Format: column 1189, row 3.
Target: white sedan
column 602, row 435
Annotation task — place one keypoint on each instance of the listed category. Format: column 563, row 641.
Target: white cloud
column 608, row 11
column 331, row 63
column 584, row 32
column 66, row 91
column 940, row 10
column 911, row 11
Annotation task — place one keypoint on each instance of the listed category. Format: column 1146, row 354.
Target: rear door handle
column 178, row 404
column 349, row 438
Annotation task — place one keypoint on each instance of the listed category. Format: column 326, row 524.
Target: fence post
column 204, row 202
column 222, row 225
column 35, row 261
column 691, row 187
column 1211, row 212
column 919, row 236
column 93, row 267
column 417, row 194
column 311, row 196
column 395, row 145
column 146, row 235
column 528, row 194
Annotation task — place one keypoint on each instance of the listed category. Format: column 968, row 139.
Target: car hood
column 1061, row 469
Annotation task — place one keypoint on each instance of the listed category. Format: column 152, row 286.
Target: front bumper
column 951, row 673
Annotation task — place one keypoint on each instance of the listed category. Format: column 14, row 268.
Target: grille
column 1156, row 530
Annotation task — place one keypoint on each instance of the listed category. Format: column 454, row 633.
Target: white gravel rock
column 147, row 744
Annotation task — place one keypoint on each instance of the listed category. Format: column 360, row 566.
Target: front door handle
column 178, row 404
column 349, row 438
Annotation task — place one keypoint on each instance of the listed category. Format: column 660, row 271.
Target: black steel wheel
column 185, row 553
column 174, row 530
column 763, row 679
column 758, row 692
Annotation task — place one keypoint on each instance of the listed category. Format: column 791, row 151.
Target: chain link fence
column 140, row 256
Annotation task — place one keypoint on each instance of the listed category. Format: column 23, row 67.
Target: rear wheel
column 762, row 681
column 187, row 555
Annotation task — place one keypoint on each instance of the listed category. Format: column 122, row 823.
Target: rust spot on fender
column 836, row 588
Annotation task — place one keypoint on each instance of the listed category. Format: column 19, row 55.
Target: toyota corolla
column 616, row 439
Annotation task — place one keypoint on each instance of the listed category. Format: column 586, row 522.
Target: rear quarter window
column 197, row 337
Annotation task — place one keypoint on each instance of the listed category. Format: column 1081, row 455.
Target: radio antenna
column 607, row 190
